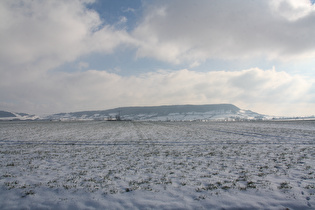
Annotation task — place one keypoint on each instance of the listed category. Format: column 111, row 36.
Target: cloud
column 265, row 91
column 41, row 35
column 292, row 9
column 83, row 65
column 38, row 36
column 183, row 30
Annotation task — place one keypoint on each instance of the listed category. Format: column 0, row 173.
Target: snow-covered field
column 157, row 165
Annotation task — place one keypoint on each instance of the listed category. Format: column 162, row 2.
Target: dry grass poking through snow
column 157, row 165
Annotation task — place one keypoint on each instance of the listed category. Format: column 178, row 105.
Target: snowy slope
column 4, row 115
column 157, row 165
column 166, row 113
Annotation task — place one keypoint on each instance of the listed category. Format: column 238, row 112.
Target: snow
column 210, row 112
column 157, row 165
column 19, row 116
column 217, row 115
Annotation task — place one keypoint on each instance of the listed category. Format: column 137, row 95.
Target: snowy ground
column 159, row 165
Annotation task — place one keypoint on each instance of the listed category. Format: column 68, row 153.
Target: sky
column 79, row 55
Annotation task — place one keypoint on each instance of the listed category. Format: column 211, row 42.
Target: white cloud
column 267, row 92
column 45, row 34
column 37, row 36
column 122, row 20
column 183, row 30
column 42, row 35
column 83, row 65
column 292, row 9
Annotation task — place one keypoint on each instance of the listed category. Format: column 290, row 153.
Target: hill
column 164, row 113
column 4, row 115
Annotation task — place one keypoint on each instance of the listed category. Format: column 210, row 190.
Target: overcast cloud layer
column 36, row 37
